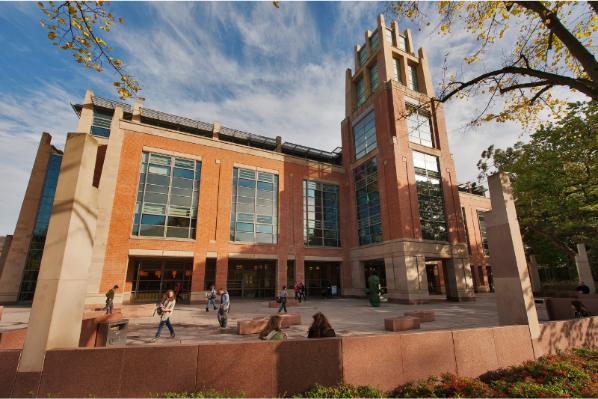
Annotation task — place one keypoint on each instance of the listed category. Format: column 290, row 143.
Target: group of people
column 300, row 292
column 319, row 328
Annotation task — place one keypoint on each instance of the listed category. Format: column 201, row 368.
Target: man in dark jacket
column 110, row 300
column 224, row 308
column 582, row 288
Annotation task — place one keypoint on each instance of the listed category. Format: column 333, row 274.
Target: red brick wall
column 472, row 203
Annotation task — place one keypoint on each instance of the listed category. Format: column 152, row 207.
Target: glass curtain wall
column 167, row 197
column 364, row 136
column 251, row 279
column 38, row 239
column 429, row 197
column 419, row 127
column 154, row 277
column 369, row 221
column 321, row 214
column 254, row 209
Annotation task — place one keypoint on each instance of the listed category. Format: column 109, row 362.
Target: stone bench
column 424, row 316
column 246, row 327
column 295, row 317
column 401, row 323
column 286, row 321
column 290, row 302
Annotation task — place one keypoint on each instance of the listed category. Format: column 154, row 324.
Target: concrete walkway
column 348, row 317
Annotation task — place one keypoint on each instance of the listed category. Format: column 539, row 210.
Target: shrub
column 209, row 393
column 342, row 391
column 569, row 285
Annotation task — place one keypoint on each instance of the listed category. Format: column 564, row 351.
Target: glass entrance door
column 154, row 277
column 251, row 279
column 319, row 274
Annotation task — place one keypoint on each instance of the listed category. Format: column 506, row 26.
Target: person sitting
column 580, row 310
column 320, row 327
column 272, row 330
column 582, row 288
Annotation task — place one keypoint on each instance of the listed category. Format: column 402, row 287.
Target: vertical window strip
column 374, row 77
column 390, row 37
column 38, row 239
column 167, row 197
column 100, row 122
column 397, row 67
column 413, row 82
column 419, row 127
column 402, row 43
column 466, row 230
column 483, row 232
column 321, row 214
column 360, row 92
column 254, row 207
column 364, row 136
column 374, row 41
column 363, row 55
column 429, row 197
column 369, row 221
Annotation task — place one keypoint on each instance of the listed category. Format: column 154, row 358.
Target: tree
column 553, row 49
column 555, row 178
column 73, row 26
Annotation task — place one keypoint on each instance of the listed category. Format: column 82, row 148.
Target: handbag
column 279, row 300
column 159, row 311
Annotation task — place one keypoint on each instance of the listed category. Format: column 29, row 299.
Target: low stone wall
column 560, row 308
column 262, row 368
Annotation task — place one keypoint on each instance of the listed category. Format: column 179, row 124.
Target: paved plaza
column 348, row 317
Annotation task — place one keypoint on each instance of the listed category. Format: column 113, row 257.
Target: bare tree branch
column 568, row 251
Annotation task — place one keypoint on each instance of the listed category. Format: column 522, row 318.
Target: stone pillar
column 514, row 297
column 410, row 280
column 583, row 268
column 16, row 256
column 216, row 131
column 86, row 117
column 358, row 282
column 57, row 310
column 95, row 293
column 460, row 281
column 535, row 275
column 7, row 241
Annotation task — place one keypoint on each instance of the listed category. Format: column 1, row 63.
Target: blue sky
column 250, row 66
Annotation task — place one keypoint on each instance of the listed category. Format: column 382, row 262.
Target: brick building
column 196, row 203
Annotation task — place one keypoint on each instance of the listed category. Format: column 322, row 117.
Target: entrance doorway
column 251, row 279
column 153, row 277
column 433, row 278
column 319, row 274
column 378, row 268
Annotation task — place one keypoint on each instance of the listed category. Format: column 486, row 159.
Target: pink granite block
column 426, row 354
column 475, row 352
column 114, row 310
column 424, row 316
column 81, row 372
column 26, row 384
column 513, row 345
column 290, row 302
column 89, row 328
column 294, row 317
column 373, row 360
column 138, row 311
column 13, row 339
column 246, row 327
column 9, row 361
column 401, row 323
column 302, row 363
column 250, row 365
column 286, row 321
column 153, row 370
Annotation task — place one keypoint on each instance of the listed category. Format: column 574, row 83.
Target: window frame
column 328, row 207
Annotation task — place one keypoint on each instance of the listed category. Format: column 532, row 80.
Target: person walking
column 302, row 292
column 167, row 306
column 320, row 327
column 283, row 299
column 272, row 330
column 582, row 288
column 178, row 290
column 224, row 308
column 580, row 310
column 211, row 298
column 110, row 300
column 297, row 292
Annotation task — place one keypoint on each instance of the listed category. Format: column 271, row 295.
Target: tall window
column 390, row 37
column 100, row 123
column 397, row 67
column 418, row 126
column 402, row 43
column 483, row 233
column 374, row 77
column 360, row 92
column 429, row 197
column 466, row 231
column 369, row 222
column 374, row 41
column 412, row 76
column 321, row 214
column 167, row 197
column 364, row 134
column 363, row 55
column 38, row 239
column 254, row 211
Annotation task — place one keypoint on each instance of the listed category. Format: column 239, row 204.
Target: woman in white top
column 211, row 297
column 283, row 299
column 167, row 306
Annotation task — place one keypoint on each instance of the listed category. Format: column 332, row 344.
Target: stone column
column 460, row 281
column 583, row 268
column 535, row 275
column 7, row 241
column 514, row 297
column 410, row 280
column 57, row 310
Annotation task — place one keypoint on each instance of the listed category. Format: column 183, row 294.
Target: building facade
column 196, row 203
